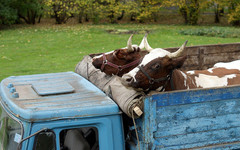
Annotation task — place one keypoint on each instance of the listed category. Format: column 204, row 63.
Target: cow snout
column 127, row 79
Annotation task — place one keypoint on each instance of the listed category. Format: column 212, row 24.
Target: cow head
column 155, row 69
column 120, row 61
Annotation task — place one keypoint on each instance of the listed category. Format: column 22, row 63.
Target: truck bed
column 192, row 119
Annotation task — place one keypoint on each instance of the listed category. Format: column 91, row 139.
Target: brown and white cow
column 120, row 61
column 160, row 70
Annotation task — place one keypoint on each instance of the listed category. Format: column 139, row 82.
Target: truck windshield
column 10, row 131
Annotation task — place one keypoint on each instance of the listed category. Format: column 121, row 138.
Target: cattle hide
column 126, row 97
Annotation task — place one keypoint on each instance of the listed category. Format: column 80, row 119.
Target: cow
column 120, row 61
column 160, row 70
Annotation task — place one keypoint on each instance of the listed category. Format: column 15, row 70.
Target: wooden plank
column 206, row 56
column 202, row 110
column 196, row 96
column 227, row 145
column 215, row 48
column 200, row 139
column 191, row 60
column 189, row 50
column 196, row 125
column 197, row 118
column 222, row 49
column 222, row 57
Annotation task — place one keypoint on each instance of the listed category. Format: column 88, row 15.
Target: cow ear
column 119, row 54
column 116, row 53
column 177, row 62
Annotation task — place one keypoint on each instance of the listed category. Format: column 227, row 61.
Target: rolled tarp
column 128, row 99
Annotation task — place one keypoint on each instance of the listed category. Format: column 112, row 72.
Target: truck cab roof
column 54, row 96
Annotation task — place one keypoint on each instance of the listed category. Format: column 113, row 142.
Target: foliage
column 89, row 9
column 223, row 32
column 148, row 10
column 218, row 6
column 29, row 10
column 143, row 10
column 62, row 10
column 8, row 15
column 189, row 9
column 132, row 9
column 234, row 13
column 112, row 9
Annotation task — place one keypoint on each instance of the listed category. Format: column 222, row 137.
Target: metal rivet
column 10, row 85
column 15, row 95
column 12, row 90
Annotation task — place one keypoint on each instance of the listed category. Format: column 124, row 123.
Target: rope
column 135, row 127
column 87, row 71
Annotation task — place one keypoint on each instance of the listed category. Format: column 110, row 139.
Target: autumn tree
column 143, row 10
column 62, row 10
column 218, row 7
column 148, row 9
column 113, row 10
column 82, row 8
column 234, row 12
column 189, row 9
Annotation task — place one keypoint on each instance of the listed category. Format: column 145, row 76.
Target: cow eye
column 156, row 66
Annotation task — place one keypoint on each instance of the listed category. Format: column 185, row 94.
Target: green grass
column 47, row 49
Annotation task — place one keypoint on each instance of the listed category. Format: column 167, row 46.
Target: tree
column 8, row 15
column 189, row 9
column 62, row 10
column 29, row 10
column 143, row 10
column 112, row 10
column 82, row 7
column 148, row 9
column 234, row 12
column 218, row 6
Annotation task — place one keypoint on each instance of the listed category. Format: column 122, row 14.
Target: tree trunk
column 217, row 14
column 120, row 17
column 183, row 12
column 133, row 17
column 39, row 18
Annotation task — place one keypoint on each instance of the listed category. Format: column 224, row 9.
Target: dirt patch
column 125, row 31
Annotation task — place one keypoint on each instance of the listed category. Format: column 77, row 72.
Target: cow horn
column 179, row 52
column 141, row 46
column 129, row 44
column 146, row 45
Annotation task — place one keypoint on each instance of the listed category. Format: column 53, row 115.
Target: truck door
column 83, row 138
column 81, row 134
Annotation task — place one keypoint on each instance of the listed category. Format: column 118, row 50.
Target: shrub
column 8, row 15
column 234, row 16
column 213, row 32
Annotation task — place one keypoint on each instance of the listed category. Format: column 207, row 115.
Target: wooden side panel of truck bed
column 194, row 119
column 205, row 56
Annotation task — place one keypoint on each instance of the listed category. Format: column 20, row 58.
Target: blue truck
column 61, row 111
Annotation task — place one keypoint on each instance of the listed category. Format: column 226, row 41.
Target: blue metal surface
column 109, row 128
column 51, row 88
column 201, row 119
column 86, row 99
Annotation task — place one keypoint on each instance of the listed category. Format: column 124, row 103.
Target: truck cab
column 57, row 111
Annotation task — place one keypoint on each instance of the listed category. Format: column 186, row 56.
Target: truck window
column 79, row 139
column 10, row 131
column 45, row 141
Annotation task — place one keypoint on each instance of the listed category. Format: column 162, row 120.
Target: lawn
column 58, row 48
